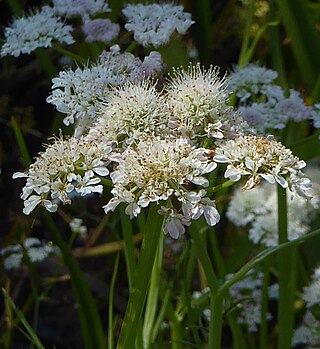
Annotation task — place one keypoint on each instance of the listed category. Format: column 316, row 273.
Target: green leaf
column 305, row 40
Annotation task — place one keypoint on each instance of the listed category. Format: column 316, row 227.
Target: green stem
column 204, row 256
column 128, row 245
column 226, row 184
column 21, row 143
column 215, row 326
column 141, row 280
column 111, row 297
column 286, row 276
column 246, row 37
column 152, row 301
column 175, row 329
column 264, row 308
column 161, row 314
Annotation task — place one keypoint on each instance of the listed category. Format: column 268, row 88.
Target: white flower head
column 308, row 332
column 155, row 169
column 38, row 29
column 79, row 93
column 131, row 110
column 66, row 165
column 198, row 102
column 77, row 226
column 154, row 24
column 262, row 158
column 251, row 80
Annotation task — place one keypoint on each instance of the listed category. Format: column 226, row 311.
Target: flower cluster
column 157, row 145
column 38, row 29
column 132, row 109
column 76, row 226
column 262, row 158
column 154, row 24
column 156, row 169
column 263, row 104
column 251, row 81
column 79, row 93
column 33, row 247
column 73, row 164
column 151, row 24
column 247, row 208
column 198, row 103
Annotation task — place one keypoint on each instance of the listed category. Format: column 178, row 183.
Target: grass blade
column 29, row 330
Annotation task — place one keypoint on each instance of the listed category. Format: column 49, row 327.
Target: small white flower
column 35, row 30
column 154, row 24
column 65, row 166
column 198, row 102
column 174, row 223
column 153, row 170
column 261, row 157
column 82, row 92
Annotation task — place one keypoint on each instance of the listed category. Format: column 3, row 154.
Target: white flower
column 198, row 102
column 70, row 8
column 174, row 223
column 154, row 24
column 276, row 111
column 195, row 205
column 154, row 169
column 35, row 30
column 250, row 81
column 34, row 200
column 131, row 110
column 80, row 93
column 65, row 165
column 316, row 115
column 261, row 157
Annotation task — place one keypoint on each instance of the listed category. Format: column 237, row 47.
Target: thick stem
column 141, row 279
column 286, row 276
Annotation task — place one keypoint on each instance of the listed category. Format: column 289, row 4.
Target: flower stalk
column 140, row 286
